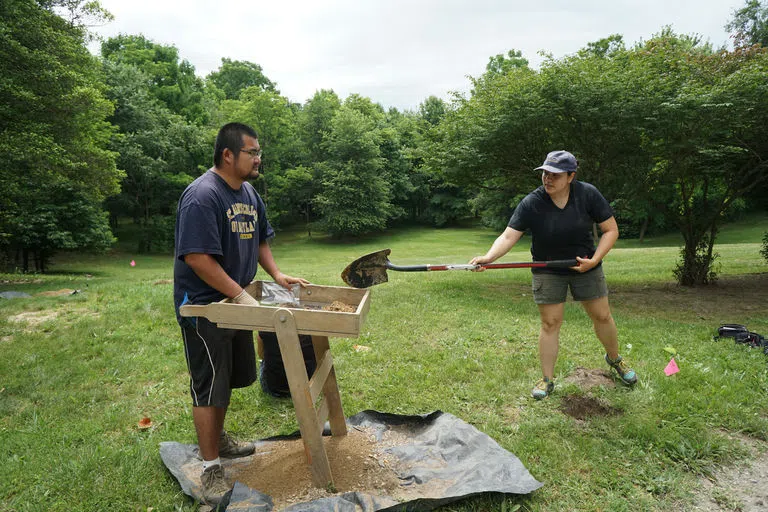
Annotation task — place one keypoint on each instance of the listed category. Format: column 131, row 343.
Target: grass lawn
column 79, row 371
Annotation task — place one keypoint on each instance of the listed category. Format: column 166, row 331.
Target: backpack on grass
column 741, row 334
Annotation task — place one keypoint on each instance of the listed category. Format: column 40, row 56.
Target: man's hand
column 286, row 281
column 245, row 298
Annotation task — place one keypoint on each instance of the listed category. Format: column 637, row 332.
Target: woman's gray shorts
column 551, row 288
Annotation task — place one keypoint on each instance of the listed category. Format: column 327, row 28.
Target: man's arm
column 209, row 270
column 267, row 262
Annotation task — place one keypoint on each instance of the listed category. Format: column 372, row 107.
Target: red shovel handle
column 534, row 264
column 524, row 264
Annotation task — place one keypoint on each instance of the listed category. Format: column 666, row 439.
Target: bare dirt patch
column 585, row 407
column 728, row 297
column 587, row 378
column 739, row 488
column 57, row 293
column 34, row 318
column 511, row 413
column 20, row 281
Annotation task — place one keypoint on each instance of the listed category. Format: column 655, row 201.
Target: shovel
column 371, row 269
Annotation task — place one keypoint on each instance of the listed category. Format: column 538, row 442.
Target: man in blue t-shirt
column 222, row 234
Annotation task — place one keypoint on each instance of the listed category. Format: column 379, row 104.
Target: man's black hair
column 231, row 137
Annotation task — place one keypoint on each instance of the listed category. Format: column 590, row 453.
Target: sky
column 398, row 52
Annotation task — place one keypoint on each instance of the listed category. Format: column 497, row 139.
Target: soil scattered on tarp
column 585, row 407
column 387, row 461
column 279, row 469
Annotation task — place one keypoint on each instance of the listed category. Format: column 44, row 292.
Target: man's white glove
column 245, row 298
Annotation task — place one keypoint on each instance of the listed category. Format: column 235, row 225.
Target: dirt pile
column 279, row 469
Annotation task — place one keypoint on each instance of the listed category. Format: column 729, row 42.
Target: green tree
column 161, row 152
column 432, row 110
column 501, row 64
column 365, row 106
column 79, row 13
column 275, row 120
column 170, row 80
column 598, row 110
column 431, row 200
column 396, row 169
column 355, row 198
column 669, row 129
column 315, row 121
column 56, row 167
column 750, row 24
column 485, row 147
column 292, row 196
column 705, row 139
column 764, row 247
column 233, row 76
column 606, row 47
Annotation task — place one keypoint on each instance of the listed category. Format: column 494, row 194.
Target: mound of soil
column 279, row 469
column 587, row 378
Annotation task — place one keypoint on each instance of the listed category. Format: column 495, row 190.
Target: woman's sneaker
column 543, row 388
column 626, row 373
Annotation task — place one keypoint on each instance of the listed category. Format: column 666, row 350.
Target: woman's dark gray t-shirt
column 560, row 234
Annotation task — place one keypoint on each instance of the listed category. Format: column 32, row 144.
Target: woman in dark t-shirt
column 559, row 215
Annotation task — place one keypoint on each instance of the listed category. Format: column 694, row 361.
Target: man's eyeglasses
column 253, row 153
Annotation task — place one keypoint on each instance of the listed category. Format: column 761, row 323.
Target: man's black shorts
column 218, row 360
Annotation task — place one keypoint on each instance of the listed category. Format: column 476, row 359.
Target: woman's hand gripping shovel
column 371, row 269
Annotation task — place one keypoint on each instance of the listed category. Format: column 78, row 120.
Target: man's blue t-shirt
column 228, row 224
column 561, row 234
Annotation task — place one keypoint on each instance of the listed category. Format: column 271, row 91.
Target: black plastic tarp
column 442, row 459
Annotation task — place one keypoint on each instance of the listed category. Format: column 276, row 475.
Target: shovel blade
column 368, row 270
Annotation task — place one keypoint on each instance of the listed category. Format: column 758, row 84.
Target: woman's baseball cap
column 559, row 161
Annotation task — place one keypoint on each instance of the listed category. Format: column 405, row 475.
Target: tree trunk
column 698, row 259
column 643, row 228
column 44, row 257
